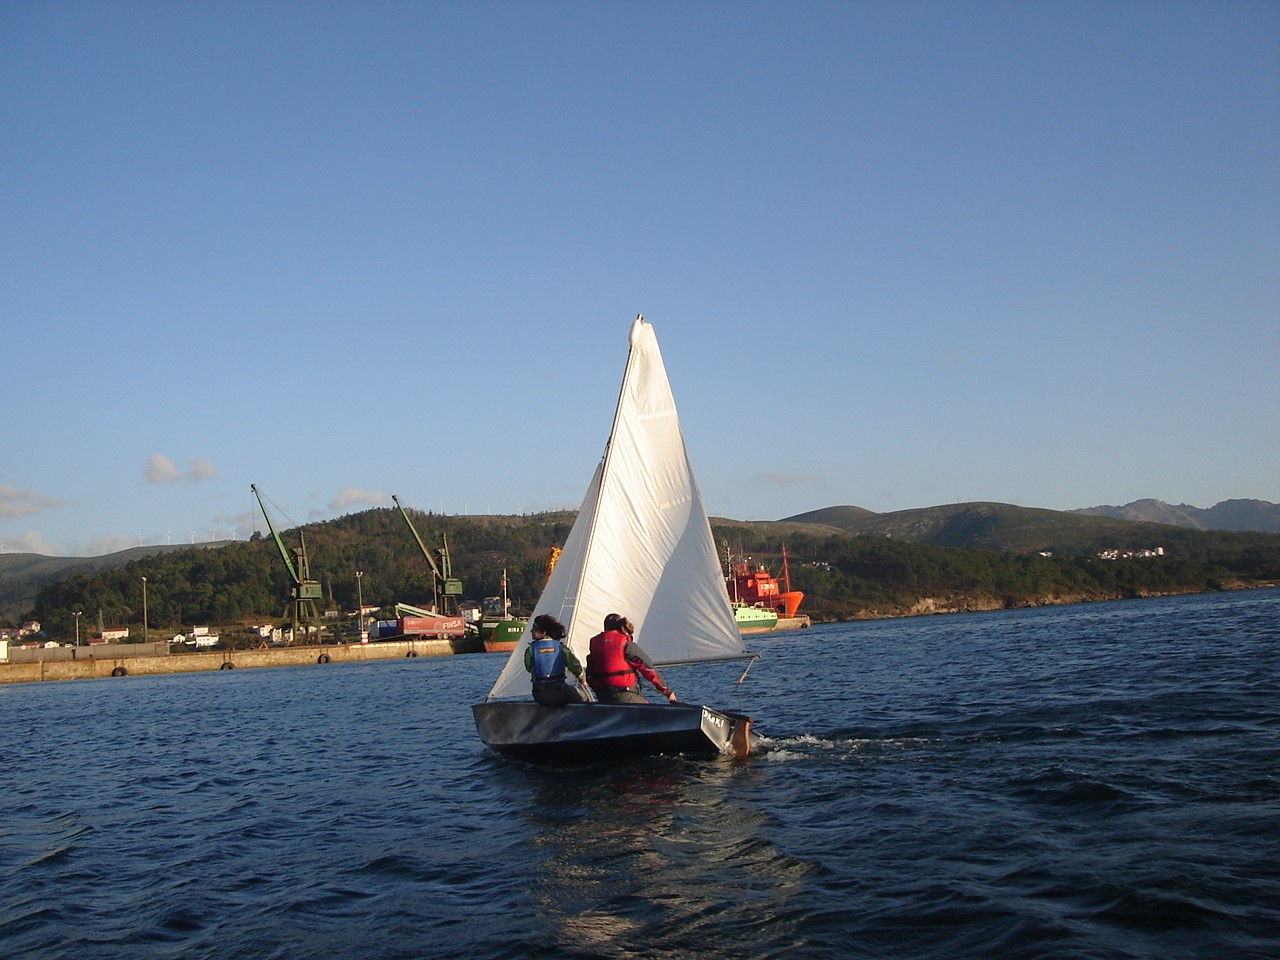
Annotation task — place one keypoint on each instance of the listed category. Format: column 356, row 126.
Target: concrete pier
column 123, row 665
column 801, row 622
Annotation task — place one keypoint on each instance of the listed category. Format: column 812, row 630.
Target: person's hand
column 671, row 696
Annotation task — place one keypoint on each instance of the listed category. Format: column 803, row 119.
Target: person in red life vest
column 548, row 659
column 615, row 664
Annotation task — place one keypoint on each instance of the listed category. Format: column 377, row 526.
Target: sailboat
column 641, row 546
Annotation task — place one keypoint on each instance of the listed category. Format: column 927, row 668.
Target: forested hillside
column 843, row 574
column 23, row 575
column 1003, row 526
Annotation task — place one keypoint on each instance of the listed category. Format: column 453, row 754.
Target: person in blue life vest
column 616, row 663
column 547, row 659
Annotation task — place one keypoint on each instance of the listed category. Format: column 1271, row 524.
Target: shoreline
column 123, row 665
column 941, row 606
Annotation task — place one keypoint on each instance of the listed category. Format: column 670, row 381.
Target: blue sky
column 896, row 255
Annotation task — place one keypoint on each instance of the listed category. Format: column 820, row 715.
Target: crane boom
column 417, row 536
column 445, row 588
column 284, row 553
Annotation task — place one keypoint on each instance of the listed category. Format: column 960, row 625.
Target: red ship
column 753, row 585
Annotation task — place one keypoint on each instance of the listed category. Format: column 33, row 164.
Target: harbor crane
column 445, row 588
column 306, row 592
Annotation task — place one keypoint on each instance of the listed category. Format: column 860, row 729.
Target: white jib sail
column 641, row 545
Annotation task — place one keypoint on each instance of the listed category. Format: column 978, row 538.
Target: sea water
column 1094, row 781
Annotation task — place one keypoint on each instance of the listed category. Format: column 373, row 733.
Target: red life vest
column 606, row 666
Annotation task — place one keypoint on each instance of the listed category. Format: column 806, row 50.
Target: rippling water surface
column 1090, row 781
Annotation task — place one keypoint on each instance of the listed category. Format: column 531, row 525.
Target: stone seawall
column 84, row 668
column 802, row 622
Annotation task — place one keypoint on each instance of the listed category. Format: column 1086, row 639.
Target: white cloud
column 202, row 469
column 23, row 503
column 29, row 542
column 354, row 496
column 161, row 469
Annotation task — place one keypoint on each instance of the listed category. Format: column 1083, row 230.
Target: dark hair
column 616, row 621
column 549, row 625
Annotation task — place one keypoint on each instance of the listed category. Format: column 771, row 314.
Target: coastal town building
column 1131, row 554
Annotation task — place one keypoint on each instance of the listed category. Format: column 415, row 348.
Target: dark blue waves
column 1093, row 781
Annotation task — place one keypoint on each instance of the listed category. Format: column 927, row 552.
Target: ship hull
column 500, row 636
column 754, row 619
column 753, row 587
column 587, row 732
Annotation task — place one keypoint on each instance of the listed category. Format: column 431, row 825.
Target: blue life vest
column 548, row 661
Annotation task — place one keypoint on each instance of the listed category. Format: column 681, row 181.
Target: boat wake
column 808, row 746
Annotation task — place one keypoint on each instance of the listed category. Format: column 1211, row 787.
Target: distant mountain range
column 1255, row 515
column 964, row 520
column 1003, row 526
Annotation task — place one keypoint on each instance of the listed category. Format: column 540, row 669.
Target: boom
column 417, row 536
column 284, row 554
column 445, row 588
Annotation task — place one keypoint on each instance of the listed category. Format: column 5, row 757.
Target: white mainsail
column 641, row 545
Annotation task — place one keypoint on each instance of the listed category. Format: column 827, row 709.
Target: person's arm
column 641, row 663
column 528, row 658
column 574, row 666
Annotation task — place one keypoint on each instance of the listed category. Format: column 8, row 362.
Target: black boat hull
column 598, row 731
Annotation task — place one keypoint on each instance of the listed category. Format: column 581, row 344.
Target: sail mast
column 606, row 460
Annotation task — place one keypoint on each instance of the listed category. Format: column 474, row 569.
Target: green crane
column 305, row 593
column 445, row 589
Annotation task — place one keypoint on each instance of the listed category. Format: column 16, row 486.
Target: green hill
column 22, row 575
column 846, row 517
column 998, row 526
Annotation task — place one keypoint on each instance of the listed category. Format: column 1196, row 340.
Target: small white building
column 268, row 632
column 199, row 636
